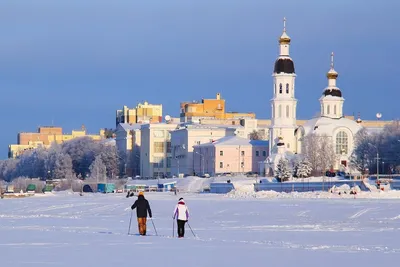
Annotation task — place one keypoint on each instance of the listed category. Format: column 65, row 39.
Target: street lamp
column 377, row 160
column 202, row 159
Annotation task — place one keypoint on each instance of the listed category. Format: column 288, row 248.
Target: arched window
column 275, row 88
column 334, row 109
column 342, row 143
column 280, row 111
column 280, row 88
column 287, row 88
column 287, row 111
column 328, row 109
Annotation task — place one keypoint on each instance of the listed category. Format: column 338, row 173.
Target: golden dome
column 284, row 39
column 332, row 74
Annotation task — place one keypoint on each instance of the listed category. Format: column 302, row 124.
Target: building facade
column 186, row 137
column 142, row 113
column 209, row 109
column 44, row 137
column 286, row 133
column 229, row 154
column 128, row 141
column 155, row 149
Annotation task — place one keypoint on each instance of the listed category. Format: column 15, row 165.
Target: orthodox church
column 285, row 136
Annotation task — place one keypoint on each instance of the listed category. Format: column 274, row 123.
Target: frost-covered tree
column 110, row 158
column 303, row 168
column 310, row 150
column 363, row 153
column 283, row 171
column 326, row 153
column 98, row 170
column 318, row 149
column 63, row 167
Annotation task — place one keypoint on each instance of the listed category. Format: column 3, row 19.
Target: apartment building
column 142, row 113
column 155, row 149
column 44, row 137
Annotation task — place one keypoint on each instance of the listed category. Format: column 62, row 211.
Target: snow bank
column 193, row 184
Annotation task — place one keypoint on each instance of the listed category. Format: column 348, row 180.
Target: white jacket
column 181, row 211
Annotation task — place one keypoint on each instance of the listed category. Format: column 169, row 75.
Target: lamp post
column 377, row 161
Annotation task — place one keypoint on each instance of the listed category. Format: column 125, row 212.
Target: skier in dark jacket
column 142, row 207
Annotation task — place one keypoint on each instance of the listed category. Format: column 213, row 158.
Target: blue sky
column 73, row 62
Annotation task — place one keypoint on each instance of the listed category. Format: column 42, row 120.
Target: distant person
column 142, row 207
column 181, row 213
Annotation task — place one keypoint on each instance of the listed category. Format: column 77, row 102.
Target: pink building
column 229, row 154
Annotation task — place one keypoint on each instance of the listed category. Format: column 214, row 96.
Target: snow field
column 69, row 230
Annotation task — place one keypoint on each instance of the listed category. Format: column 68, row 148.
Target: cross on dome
column 284, row 39
column 332, row 73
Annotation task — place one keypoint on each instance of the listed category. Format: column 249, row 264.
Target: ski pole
column 154, row 226
column 130, row 221
column 191, row 229
column 173, row 227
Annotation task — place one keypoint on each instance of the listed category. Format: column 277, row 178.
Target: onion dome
column 333, row 92
column 285, row 65
column 280, row 141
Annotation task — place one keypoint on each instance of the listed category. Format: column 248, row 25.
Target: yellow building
column 142, row 113
column 44, row 137
column 210, row 109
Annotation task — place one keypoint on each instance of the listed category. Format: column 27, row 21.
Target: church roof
column 325, row 125
column 284, row 64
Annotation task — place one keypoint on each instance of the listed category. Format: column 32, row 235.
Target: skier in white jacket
column 181, row 213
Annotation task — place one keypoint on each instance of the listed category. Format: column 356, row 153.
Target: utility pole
column 377, row 165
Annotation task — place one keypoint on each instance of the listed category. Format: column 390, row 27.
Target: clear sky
column 74, row 62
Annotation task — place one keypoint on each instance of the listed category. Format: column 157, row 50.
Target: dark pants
column 181, row 228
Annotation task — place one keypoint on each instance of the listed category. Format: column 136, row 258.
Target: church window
column 280, row 112
column 342, row 144
column 287, row 88
column 275, row 88
column 334, row 109
column 280, row 88
column 328, row 109
column 287, row 111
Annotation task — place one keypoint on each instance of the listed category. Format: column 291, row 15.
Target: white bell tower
column 331, row 100
column 283, row 103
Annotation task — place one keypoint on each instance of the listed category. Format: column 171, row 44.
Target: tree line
column 80, row 158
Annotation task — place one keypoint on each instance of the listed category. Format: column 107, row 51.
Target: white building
column 128, row 144
column 330, row 122
column 155, row 149
column 283, row 103
column 187, row 136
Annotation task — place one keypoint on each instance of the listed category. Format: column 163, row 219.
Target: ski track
column 360, row 213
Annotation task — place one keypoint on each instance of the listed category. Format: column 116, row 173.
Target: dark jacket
column 142, row 206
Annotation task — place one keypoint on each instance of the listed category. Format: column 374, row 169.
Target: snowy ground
column 91, row 230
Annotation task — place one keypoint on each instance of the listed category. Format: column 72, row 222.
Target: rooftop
column 235, row 141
